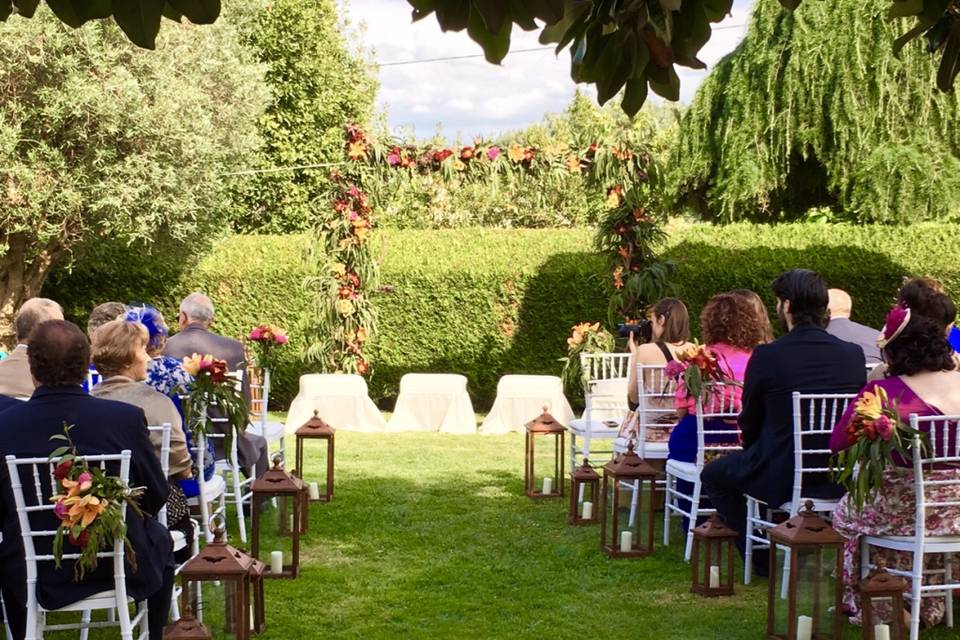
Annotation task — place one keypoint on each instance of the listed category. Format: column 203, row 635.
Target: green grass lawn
column 430, row 536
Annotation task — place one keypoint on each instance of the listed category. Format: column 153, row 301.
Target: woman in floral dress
column 921, row 380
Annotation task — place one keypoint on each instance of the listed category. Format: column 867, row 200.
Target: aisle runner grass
column 429, row 536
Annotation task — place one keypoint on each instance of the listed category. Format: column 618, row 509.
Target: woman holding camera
column 669, row 336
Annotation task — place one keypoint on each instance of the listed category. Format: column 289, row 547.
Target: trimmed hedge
column 488, row 302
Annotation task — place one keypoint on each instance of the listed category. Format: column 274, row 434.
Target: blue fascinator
column 150, row 318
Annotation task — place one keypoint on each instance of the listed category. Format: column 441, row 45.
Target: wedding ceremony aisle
column 430, row 536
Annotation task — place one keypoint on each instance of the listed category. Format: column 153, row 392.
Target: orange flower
column 618, row 278
column 515, row 152
column 573, row 163
column 357, row 150
column 84, row 510
column 362, row 334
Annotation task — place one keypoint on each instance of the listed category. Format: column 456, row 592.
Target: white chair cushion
column 179, row 540
column 274, row 430
column 598, row 429
column 683, row 470
column 101, row 600
column 211, row 489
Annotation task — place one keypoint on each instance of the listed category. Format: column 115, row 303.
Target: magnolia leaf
column 493, row 12
column 937, row 34
column 660, row 51
column 59, row 451
column 614, row 66
column 664, row 82
column 197, row 11
column 140, row 20
column 68, row 11
column 902, row 41
column 904, row 8
column 495, row 45
column 717, row 10
column 171, row 14
column 550, row 11
column 790, row 5
column 453, row 15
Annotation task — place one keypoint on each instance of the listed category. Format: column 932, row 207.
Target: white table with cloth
column 521, row 399
column 433, row 402
column 340, row 399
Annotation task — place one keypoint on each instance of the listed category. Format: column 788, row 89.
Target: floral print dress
column 893, row 513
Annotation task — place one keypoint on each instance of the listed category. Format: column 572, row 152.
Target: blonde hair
column 114, row 345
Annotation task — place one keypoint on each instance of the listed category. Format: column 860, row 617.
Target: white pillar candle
column 547, row 486
column 291, row 522
column 587, row 511
column 715, row 576
column 881, row 632
column 626, row 541
column 314, row 491
column 276, row 562
column 804, row 628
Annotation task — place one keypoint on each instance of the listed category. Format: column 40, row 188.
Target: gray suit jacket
column 15, row 378
column 195, row 339
column 860, row 335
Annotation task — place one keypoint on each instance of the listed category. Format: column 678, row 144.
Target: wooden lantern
column 545, row 427
column 286, row 489
column 186, row 628
column 258, row 613
column 711, row 565
column 881, row 604
column 584, row 490
column 806, row 573
column 626, row 500
column 315, row 428
column 220, row 562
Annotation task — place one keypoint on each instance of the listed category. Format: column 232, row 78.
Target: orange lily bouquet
column 696, row 366
column 212, row 386
column 585, row 338
column 264, row 338
column 88, row 507
column 876, row 431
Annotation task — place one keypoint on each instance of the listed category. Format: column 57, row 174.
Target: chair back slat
column 814, row 416
column 164, row 431
column 719, row 401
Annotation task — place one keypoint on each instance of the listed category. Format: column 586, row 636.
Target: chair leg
column 85, row 621
column 864, row 557
column 205, row 516
column 916, row 581
column 947, row 578
column 667, row 497
column 145, row 621
column 126, row 627
column 633, row 502
column 692, row 520
column 238, row 502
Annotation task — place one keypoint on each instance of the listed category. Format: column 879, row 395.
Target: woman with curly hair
column 921, row 379
column 731, row 325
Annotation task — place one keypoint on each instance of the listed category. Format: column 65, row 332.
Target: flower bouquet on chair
column 585, row 338
column 877, row 432
column 265, row 338
column 213, row 391
column 88, row 506
column 696, row 367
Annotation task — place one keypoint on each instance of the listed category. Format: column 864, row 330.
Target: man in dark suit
column 806, row 359
column 196, row 316
column 840, row 307
column 59, row 353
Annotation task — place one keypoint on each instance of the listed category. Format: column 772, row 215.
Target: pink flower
column 255, row 333
column 85, row 480
column 393, row 159
column 493, row 153
column 674, row 369
column 884, row 426
column 281, row 338
column 60, row 510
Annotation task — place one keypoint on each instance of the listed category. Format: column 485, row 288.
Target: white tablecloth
column 433, row 402
column 521, row 399
column 341, row 399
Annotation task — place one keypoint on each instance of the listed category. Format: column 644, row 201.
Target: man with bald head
column 15, row 379
column 839, row 307
column 195, row 319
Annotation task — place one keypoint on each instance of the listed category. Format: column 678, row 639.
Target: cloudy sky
column 470, row 96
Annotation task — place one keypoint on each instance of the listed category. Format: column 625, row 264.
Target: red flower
column 345, row 293
column 467, row 153
column 79, row 541
column 362, row 367
column 528, row 154
column 62, row 470
column 621, row 229
column 440, row 156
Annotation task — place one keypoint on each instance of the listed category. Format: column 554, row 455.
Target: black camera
column 642, row 332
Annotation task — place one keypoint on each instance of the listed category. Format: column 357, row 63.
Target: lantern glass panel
column 714, row 556
column 883, row 611
column 620, row 494
column 587, row 494
column 274, row 531
column 779, row 581
column 816, row 588
column 546, row 465
column 314, row 463
column 217, row 607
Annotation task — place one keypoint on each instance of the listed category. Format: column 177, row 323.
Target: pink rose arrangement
column 266, row 337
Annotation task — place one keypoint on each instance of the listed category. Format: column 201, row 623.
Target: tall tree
column 814, row 110
column 102, row 140
column 318, row 82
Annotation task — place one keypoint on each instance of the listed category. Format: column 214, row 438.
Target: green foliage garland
column 813, row 110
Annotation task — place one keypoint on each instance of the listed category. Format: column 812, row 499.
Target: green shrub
column 488, row 302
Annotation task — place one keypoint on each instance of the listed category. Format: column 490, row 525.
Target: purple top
column 733, row 363
column 908, row 403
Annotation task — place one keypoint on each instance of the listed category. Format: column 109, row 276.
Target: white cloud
column 470, row 96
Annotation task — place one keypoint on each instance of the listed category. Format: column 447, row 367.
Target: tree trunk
column 23, row 270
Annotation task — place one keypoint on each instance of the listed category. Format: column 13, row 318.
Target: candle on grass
column 547, row 486
column 626, row 541
column 881, row 632
column 804, row 628
column 314, row 491
column 587, row 511
column 715, row 576
column 276, row 562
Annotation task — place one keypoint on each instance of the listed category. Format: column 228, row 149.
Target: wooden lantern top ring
column 315, row 427
column 806, row 528
column 545, row 423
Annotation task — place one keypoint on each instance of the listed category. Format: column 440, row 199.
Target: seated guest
column 120, row 355
column 840, row 306
column 670, row 335
column 165, row 374
column 925, row 297
column 101, row 315
column 759, row 310
column 806, row 359
column 15, row 380
column 196, row 316
column 731, row 328
column 921, row 379
column 59, row 353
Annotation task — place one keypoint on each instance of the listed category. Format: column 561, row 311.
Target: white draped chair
column 433, row 402
column 341, row 400
column 521, row 398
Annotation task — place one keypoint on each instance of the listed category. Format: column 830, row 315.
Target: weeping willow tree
column 813, row 110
